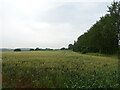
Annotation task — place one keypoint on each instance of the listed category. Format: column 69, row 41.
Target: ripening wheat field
column 58, row 69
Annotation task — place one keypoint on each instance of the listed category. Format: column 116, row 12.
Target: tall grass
column 58, row 69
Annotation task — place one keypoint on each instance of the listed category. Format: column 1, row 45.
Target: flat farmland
column 58, row 69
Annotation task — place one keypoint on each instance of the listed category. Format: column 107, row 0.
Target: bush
column 17, row 50
column 84, row 51
column 31, row 49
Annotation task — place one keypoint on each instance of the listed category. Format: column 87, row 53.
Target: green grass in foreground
column 58, row 69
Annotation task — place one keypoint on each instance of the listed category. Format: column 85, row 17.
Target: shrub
column 17, row 50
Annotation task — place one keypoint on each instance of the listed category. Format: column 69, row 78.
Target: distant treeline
column 103, row 35
column 40, row 49
column 47, row 49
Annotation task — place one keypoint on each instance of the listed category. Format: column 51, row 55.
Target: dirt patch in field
column 21, row 83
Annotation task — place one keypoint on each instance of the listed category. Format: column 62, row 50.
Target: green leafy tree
column 103, row 35
column 70, row 47
column 17, row 49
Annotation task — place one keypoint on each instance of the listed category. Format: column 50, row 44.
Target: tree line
column 41, row 49
column 102, row 37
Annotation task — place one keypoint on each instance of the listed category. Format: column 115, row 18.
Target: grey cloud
column 67, row 21
column 76, row 12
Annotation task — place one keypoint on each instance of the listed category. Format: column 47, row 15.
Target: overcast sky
column 47, row 23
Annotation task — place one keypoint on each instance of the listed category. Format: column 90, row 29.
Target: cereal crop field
column 58, row 69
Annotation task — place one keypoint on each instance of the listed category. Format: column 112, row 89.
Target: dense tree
column 63, row 48
column 17, row 49
column 70, row 47
column 37, row 49
column 103, row 35
column 31, row 49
